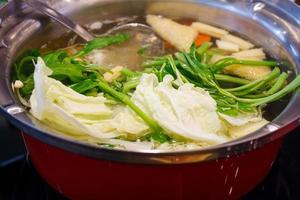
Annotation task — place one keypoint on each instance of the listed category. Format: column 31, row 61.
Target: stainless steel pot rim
column 233, row 148
column 250, row 142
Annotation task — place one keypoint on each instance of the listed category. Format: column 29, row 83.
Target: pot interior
column 256, row 21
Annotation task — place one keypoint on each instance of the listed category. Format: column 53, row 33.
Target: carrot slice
column 201, row 38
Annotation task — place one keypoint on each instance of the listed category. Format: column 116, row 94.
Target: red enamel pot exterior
column 82, row 178
column 83, row 171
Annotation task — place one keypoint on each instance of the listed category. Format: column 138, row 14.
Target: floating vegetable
column 207, row 92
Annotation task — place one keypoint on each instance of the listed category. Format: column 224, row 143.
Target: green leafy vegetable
column 157, row 133
column 221, row 64
column 102, row 42
column 24, row 69
column 142, row 51
column 130, row 84
column 126, row 100
column 84, row 86
column 231, row 79
column 231, row 101
column 64, row 68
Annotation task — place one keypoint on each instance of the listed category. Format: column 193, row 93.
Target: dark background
column 20, row 181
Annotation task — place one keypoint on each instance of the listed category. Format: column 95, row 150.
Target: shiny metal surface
column 130, row 26
column 65, row 21
column 257, row 20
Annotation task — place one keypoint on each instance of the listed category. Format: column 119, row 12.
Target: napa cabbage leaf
column 63, row 108
column 187, row 112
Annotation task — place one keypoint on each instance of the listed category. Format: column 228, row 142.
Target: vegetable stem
column 126, row 100
column 274, row 74
column 221, row 64
column 129, row 85
column 231, row 79
column 153, row 63
column 250, row 85
column 203, row 48
column 101, row 42
column 289, row 88
column 280, row 82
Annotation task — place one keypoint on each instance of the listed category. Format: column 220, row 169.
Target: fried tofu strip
column 243, row 44
column 227, row 46
column 178, row 35
column 209, row 30
column 247, row 72
column 252, row 53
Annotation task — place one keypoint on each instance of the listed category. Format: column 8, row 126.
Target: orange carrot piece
column 201, row 38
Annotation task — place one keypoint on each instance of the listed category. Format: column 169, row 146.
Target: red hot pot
column 83, row 171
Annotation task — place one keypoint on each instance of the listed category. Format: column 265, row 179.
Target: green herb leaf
column 26, row 90
column 102, row 42
column 142, row 51
column 24, row 69
column 64, row 68
column 159, row 137
column 83, row 86
column 221, row 64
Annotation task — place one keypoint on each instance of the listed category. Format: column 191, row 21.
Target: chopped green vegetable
column 83, row 86
column 231, row 79
column 157, row 131
column 230, row 101
column 24, row 69
column 130, row 85
column 64, row 68
column 143, row 50
column 221, row 64
column 102, row 42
